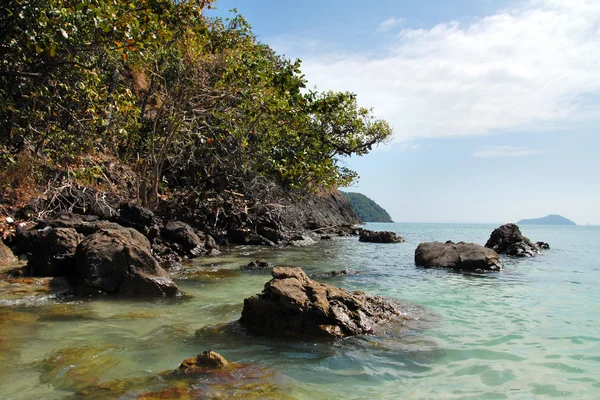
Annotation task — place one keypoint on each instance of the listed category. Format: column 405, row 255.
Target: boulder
column 186, row 242
column 543, row 245
column 293, row 304
column 380, row 237
column 6, row 254
column 462, row 256
column 256, row 265
column 119, row 261
column 509, row 240
column 138, row 217
column 49, row 251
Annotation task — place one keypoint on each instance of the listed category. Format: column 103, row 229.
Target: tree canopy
column 189, row 101
column 367, row 209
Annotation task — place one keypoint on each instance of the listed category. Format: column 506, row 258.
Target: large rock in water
column 462, row 256
column 293, row 304
column 119, row 261
column 379, row 237
column 509, row 240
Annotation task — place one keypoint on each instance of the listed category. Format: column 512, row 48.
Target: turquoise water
column 531, row 331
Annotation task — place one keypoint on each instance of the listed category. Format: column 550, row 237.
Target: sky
column 495, row 104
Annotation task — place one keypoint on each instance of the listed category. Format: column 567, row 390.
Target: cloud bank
column 532, row 67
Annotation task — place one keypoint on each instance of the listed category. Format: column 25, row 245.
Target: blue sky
column 495, row 105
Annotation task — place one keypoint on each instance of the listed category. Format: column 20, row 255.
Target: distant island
column 551, row 219
column 367, row 209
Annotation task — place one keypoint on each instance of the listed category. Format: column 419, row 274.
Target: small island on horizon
column 552, row 219
column 367, row 209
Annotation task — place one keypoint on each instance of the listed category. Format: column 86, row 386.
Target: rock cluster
column 509, row 240
column 107, row 257
column 461, row 256
column 293, row 304
column 379, row 237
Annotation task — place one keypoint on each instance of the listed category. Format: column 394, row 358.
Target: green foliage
column 367, row 209
column 191, row 102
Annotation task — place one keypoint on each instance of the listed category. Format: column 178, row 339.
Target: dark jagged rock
column 380, row 237
column 462, row 256
column 256, row 265
column 6, row 254
column 119, row 261
column 293, row 304
column 137, row 217
column 325, row 237
column 543, row 245
column 270, row 234
column 509, row 240
column 186, row 242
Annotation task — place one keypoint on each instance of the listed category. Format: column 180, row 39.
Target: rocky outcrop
column 379, row 237
column 509, row 240
column 6, row 254
column 257, row 265
column 461, row 256
column 293, row 304
column 119, row 261
column 248, row 237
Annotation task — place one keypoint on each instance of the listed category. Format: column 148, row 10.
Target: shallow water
column 531, row 331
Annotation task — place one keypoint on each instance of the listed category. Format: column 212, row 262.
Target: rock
column 191, row 245
column 269, row 233
column 462, row 256
column 325, row 237
column 248, row 237
column 119, row 261
column 509, row 240
column 137, row 217
column 6, row 255
column 49, row 251
column 339, row 272
column 208, row 359
column 543, row 245
column 257, row 265
column 293, row 304
column 380, row 237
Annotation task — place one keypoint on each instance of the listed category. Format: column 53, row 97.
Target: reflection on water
column 531, row 331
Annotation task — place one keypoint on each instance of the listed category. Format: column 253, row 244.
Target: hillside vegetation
column 367, row 209
column 154, row 101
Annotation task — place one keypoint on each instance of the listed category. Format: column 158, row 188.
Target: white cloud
column 390, row 23
column 532, row 67
column 505, row 151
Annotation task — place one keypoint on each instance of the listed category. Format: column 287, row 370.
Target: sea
column 531, row 331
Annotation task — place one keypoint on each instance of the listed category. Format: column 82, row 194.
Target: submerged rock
column 463, row 256
column 207, row 376
column 208, row 359
column 380, row 237
column 257, row 265
column 509, row 240
column 293, row 304
column 120, row 262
